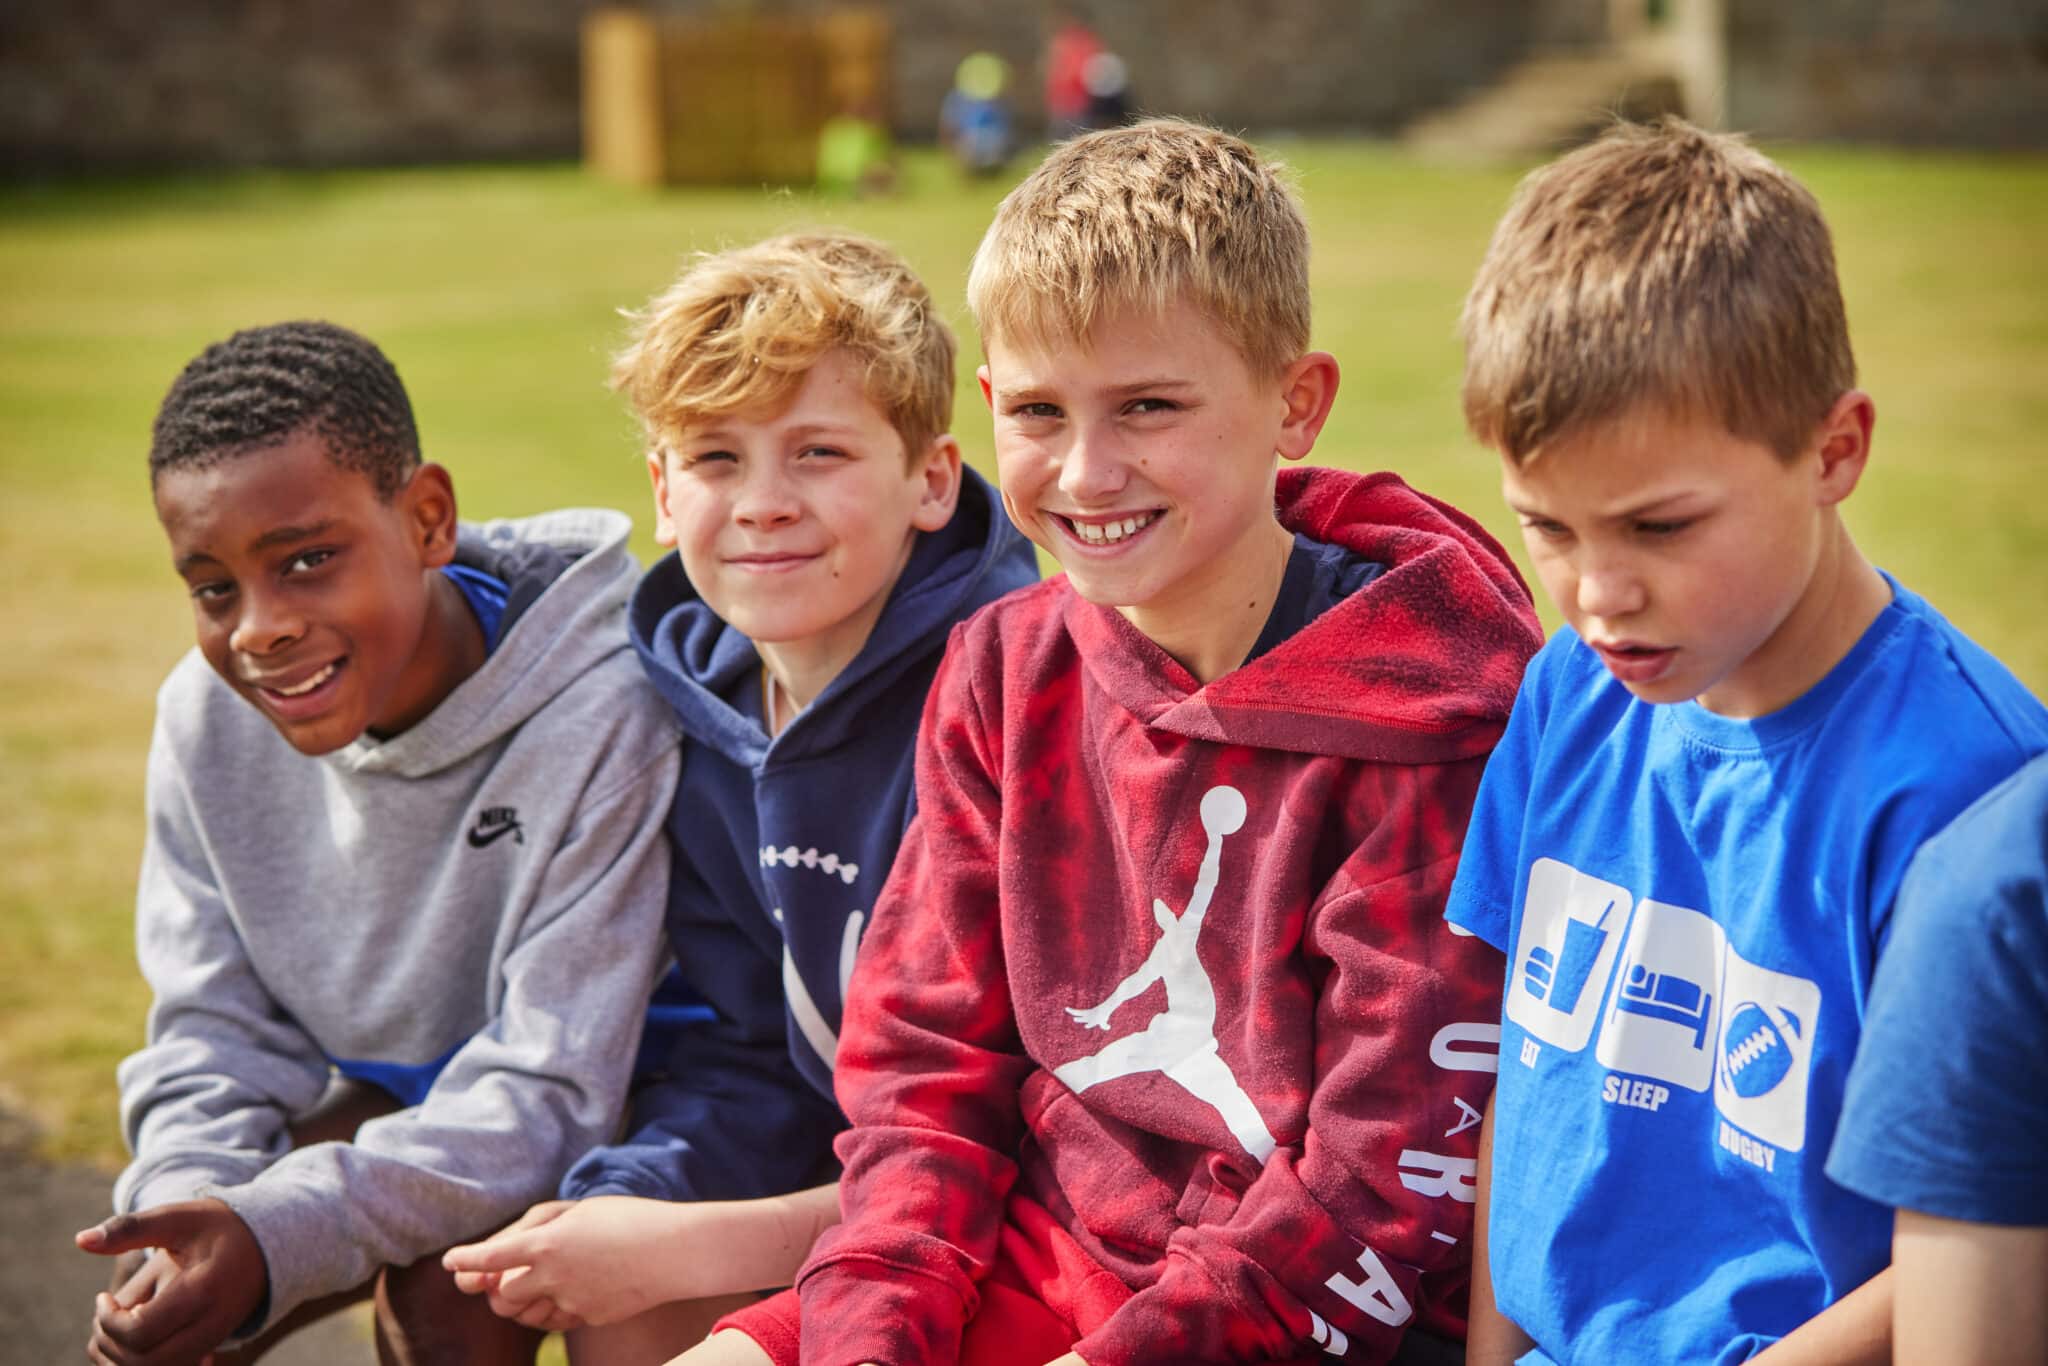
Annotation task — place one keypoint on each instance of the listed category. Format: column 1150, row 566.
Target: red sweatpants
column 1043, row 1294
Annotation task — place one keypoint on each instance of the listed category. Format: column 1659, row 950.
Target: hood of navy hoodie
column 790, row 838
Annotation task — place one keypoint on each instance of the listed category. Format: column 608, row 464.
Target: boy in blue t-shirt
column 1947, row 1112
column 1690, row 837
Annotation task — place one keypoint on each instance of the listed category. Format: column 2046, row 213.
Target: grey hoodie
column 470, row 909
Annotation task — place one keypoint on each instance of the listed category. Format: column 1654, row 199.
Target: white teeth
column 315, row 681
column 1107, row 533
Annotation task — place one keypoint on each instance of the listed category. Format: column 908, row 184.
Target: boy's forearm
column 1492, row 1338
column 1968, row 1294
column 757, row 1244
column 1855, row 1330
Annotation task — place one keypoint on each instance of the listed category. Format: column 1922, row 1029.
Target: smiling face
column 313, row 597
column 793, row 526
column 1144, row 462
column 1698, row 564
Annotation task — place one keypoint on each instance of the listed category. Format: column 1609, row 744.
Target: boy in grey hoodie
column 405, row 860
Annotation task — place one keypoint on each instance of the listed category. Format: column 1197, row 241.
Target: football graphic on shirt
column 1756, row 1049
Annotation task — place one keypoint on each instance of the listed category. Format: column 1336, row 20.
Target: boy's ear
column 657, row 474
column 428, row 506
column 1843, row 444
column 941, row 492
column 988, row 394
column 1308, row 388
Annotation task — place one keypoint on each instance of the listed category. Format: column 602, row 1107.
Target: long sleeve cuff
column 859, row 1309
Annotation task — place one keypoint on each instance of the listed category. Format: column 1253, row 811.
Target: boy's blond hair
column 737, row 332
column 1661, row 265
column 1143, row 217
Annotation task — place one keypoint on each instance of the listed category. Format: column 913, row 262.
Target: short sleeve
column 1482, row 896
column 1947, row 1105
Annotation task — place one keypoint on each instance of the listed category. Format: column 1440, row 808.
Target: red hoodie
column 1169, row 960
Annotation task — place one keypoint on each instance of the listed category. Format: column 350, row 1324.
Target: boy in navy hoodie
column 796, row 396
column 1159, row 1050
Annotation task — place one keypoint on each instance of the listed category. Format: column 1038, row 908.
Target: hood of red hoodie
column 1418, row 666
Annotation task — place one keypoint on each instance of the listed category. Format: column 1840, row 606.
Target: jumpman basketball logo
column 1180, row 1041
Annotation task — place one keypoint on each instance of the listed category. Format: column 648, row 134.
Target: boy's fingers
column 476, row 1282
column 169, row 1314
column 538, row 1214
column 537, row 1314
column 500, row 1253
column 136, row 1288
column 189, row 1346
column 129, row 1233
column 114, row 1330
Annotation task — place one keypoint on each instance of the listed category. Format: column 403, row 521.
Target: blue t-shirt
column 1948, row 1101
column 1692, row 906
column 486, row 596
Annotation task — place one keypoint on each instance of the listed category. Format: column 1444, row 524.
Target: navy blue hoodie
column 781, row 847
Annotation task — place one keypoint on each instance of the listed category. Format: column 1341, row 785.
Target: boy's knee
column 423, row 1320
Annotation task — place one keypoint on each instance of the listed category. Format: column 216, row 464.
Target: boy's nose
column 1091, row 469
column 1609, row 591
column 765, row 500
column 266, row 624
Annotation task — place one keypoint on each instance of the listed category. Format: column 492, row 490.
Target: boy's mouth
column 325, row 672
column 1106, row 530
column 301, row 696
column 1632, row 662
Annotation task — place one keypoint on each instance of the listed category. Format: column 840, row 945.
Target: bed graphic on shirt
column 1668, row 998
column 1180, row 1041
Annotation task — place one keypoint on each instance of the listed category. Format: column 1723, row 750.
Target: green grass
column 497, row 290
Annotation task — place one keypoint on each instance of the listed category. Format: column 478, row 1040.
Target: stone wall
column 90, row 84
column 116, row 84
column 146, row 83
column 1937, row 72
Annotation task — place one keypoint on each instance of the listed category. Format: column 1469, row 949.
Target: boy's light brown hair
column 1661, row 265
column 739, row 329
column 1140, row 218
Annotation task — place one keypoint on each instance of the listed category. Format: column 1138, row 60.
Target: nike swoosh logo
column 478, row 839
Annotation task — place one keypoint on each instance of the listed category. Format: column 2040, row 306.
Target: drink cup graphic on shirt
column 1561, row 978
column 1572, row 925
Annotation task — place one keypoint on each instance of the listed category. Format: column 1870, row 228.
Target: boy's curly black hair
column 265, row 384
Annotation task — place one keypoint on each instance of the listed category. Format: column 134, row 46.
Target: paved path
column 47, row 1285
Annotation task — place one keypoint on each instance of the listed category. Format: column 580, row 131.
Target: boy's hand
column 564, row 1264
column 205, row 1280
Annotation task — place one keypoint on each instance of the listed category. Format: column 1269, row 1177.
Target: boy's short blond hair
column 739, row 329
column 1143, row 217
column 1661, row 265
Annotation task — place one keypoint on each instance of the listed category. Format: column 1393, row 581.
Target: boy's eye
column 307, row 559
column 1663, row 528
column 821, row 453
column 1545, row 528
column 690, row 460
column 1152, row 405
column 211, row 592
column 1035, row 410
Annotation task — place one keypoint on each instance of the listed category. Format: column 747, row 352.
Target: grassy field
column 496, row 291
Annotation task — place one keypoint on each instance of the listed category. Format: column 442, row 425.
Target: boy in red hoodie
column 1158, row 1050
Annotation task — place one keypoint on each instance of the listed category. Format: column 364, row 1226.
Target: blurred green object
column 981, row 75
column 497, row 292
column 855, row 156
